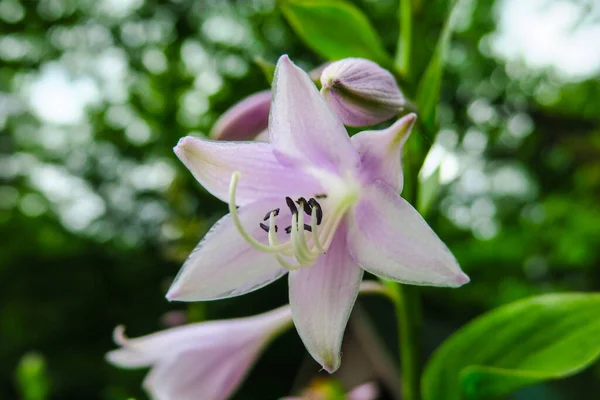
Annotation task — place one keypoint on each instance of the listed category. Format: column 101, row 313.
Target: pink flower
column 316, row 204
column 205, row 360
column 361, row 92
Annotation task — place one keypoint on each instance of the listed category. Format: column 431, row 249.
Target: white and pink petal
column 302, row 128
column 213, row 162
column 322, row 298
column 388, row 238
column 224, row 264
column 381, row 152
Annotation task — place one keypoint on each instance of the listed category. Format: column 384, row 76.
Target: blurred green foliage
column 97, row 214
column 32, row 377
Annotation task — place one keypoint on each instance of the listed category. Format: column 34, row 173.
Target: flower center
column 306, row 241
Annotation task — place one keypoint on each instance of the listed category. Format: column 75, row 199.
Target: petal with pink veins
column 387, row 237
column 213, row 162
column 224, row 264
column 302, row 128
column 322, row 298
column 381, row 152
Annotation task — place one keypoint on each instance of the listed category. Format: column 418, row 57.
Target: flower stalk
column 408, row 317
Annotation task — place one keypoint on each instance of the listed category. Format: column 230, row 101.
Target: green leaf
column 428, row 90
column 525, row 342
column 334, row 29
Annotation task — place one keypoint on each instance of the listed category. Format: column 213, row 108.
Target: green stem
column 408, row 317
column 404, row 44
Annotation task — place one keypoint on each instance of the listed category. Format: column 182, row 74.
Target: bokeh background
column 97, row 213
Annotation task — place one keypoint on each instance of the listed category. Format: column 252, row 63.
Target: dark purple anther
column 291, row 205
column 315, row 204
column 275, row 213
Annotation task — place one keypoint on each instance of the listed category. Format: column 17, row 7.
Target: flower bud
column 360, row 92
column 245, row 120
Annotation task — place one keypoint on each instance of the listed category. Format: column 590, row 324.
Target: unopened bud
column 360, row 92
column 244, row 120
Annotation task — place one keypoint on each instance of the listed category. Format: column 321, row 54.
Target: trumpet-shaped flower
column 205, row 360
column 312, row 203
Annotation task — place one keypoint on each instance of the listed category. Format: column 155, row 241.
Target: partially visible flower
column 245, row 119
column 329, row 390
column 366, row 391
column 316, row 204
column 360, row 92
column 205, row 360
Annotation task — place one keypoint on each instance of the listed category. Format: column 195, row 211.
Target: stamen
column 266, row 228
column 235, row 177
column 304, row 255
column 306, row 228
column 321, row 196
column 301, row 250
column 274, row 241
column 315, row 236
column 275, row 213
column 304, row 247
column 291, row 205
column 315, row 205
column 305, row 205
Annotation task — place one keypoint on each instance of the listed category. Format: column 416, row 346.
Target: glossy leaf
column 334, row 29
column 428, row 90
column 528, row 341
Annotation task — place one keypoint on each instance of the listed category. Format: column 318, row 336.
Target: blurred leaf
column 525, row 342
column 32, row 378
column 334, row 29
column 428, row 189
column 404, row 43
column 267, row 68
column 428, row 91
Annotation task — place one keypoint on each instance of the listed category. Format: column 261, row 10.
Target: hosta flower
column 315, row 204
column 206, row 360
column 361, row 92
column 245, row 119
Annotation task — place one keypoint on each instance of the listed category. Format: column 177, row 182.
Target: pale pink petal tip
column 172, row 294
column 462, row 279
column 119, row 335
column 179, row 148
